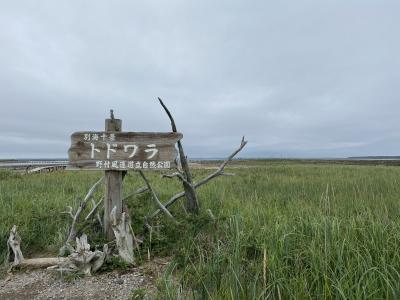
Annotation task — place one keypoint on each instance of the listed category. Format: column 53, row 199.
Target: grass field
column 282, row 229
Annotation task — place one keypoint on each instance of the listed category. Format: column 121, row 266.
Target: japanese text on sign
column 123, row 150
column 130, row 149
column 131, row 164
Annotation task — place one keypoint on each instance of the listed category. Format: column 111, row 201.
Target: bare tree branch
column 94, row 209
column 218, row 172
column 97, row 211
column 158, row 202
column 210, row 213
column 173, row 126
column 139, row 191
column 135, row 239
column 73, row 231
column 69, row 212
column 92, row 190
column 176, row 174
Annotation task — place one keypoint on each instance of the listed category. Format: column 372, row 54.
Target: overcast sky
column 298, row 78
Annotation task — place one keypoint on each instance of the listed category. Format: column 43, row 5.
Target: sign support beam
column 113, row 185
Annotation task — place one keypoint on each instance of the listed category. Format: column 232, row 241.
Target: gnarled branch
column 139, row 191
column 156, row 200
column 176, row 174
column 82, row 259
column 218, row 172
column 94, row 210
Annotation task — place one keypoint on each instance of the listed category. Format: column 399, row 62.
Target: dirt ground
column 40, row 284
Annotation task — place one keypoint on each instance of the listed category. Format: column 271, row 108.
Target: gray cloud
column 298, row 78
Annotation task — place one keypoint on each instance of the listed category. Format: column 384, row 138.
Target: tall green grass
column 282, row 230
column 295, row 232
column 35, row 204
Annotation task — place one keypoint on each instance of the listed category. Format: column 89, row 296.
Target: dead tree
column 184, row 175
column 192, row 204
column 123, row 235
column 219, row 172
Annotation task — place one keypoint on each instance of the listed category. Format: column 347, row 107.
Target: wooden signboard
column 114, row 151
column 120, row 151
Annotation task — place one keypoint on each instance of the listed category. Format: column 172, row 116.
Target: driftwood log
column 14, row 253
column 82, row 260
column 16, row 259
column 123, row 235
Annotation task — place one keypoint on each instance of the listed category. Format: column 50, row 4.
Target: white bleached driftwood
column 123, row 236
column 82, row 260
column 42, row 262
column 14, row 253
column 16, row 258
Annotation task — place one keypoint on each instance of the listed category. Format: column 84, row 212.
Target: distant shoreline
column 375, row 157
column 194, row 159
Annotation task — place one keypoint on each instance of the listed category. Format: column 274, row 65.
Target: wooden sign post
column 113, row 185
column 115, row 152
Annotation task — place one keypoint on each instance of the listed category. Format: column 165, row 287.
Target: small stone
column 119, row 281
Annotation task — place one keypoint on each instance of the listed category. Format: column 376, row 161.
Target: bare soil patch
column 40, row 284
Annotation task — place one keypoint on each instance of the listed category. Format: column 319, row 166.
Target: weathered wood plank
column 113, row 186
column 113, row 196
column 123, row 150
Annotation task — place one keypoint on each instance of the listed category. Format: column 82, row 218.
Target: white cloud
column 301, row 78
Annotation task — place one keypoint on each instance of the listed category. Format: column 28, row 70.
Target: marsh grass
column 282, row 230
